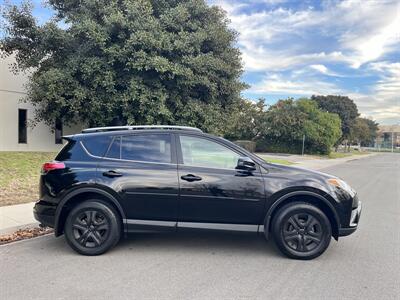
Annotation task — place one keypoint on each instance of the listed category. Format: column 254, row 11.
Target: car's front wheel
column 92, row 227
column 301, row 230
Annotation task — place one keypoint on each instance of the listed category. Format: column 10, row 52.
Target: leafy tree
column 364, row 131
column 321, row 129
column 289, row 120
column 359, row 131
column 373, row 132
column 127, row 61
column 344, row 107
column 245, row 120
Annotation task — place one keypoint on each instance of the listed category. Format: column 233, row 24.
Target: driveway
column 202, row 265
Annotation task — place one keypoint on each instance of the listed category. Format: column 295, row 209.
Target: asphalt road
column 365, row 265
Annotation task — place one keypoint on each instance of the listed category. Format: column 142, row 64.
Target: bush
column 288, row 121
column 248, row 145
column 265, row 145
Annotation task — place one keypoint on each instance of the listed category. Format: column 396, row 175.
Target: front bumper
column 45, row 213
column 354, row 219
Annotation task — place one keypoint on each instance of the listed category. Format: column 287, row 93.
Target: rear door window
column 115, row 148
column 146, row 148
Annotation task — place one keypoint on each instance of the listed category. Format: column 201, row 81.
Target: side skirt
column 134, row 225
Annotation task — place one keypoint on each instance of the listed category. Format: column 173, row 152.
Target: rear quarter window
column 71, row 151
column 97, row 145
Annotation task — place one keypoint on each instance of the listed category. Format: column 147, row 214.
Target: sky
column 300, row 48
column 294, row 48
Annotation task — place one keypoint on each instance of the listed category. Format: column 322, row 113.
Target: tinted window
column 97, row 145
column 58, row 131
column 149, row 148
column 115, row 149
column 72, row 151
column 22, row 132
column 205, row 153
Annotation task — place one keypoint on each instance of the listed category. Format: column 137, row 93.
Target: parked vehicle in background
column 109, row 181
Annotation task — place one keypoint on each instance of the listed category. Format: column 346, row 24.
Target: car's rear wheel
column 92, row 227
column 301, row 230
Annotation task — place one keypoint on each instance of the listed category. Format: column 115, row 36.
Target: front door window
column 201, row 152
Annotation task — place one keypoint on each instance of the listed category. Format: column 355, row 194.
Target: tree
column 342, row 106
column 373, row 132
column 364, row 131
column 110, row 62
column 359, row 131
column 288, row 121
column 245, row 120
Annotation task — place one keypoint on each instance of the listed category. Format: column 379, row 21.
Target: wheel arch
column 78, row 196
column 309, row 197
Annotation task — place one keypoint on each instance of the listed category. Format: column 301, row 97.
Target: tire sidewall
column 111, row 216
column 294, row 208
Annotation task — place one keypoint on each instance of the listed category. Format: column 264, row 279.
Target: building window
column 58, row 131
column 22, row 126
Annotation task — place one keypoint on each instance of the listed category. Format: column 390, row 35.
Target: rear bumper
column 354, row 219
column 44, row 213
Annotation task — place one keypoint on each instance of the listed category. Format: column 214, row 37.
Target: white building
column 15, row 132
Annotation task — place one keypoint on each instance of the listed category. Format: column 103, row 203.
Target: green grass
column 334, row 155
column 276, row 160
column 19, row 176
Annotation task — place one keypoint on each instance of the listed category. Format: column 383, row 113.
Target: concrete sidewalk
column 315, row 162
column 19, row 216
column 16, row 217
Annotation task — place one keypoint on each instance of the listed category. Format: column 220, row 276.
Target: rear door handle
column 112, row 173
column 191, row 177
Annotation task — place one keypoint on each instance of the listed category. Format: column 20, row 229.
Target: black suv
column 114, row 180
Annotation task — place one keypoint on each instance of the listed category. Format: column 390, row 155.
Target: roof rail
column 140, row 127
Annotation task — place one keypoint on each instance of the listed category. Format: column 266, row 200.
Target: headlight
column 341, row 184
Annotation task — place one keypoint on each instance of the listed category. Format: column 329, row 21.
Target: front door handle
column 112, row 173
column 191, row 177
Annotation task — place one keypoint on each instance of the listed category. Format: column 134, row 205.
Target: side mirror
column 246, row 164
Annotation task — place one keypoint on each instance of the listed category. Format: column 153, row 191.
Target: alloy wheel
column 90, row 228
column 302, row 232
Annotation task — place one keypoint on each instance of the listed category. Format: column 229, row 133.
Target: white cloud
column 293, row 47
column 375, row 45
column 259, row 59
column 384, row 110
column 324, row 70
column 276, row 84
column 361, row 31
column 320, row 68
column 231, row 7
column 389, row 84
column 382, row 103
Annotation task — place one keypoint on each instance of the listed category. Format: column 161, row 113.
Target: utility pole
column 302, row 150
column 392, row 140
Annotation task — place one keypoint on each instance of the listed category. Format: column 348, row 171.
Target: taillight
column 52, row 165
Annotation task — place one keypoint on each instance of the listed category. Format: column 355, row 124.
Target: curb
column 13, row 229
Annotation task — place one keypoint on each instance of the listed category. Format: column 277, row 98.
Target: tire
column 301, row 230
column 92, row 227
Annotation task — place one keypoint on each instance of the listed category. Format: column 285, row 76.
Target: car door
column 212, row 190
column 142, row 169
